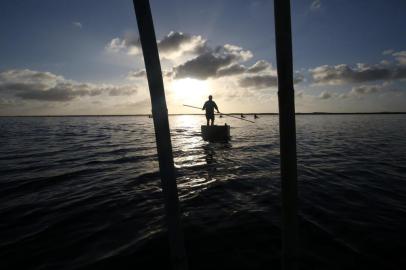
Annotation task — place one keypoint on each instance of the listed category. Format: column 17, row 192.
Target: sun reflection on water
column 196, row 161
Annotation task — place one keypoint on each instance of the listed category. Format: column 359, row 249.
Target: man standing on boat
column 209, row 106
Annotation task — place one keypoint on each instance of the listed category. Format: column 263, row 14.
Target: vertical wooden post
column 162, row 134
column 287, row 132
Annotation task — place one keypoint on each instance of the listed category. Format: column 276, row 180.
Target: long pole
column 287, row 131
column 226, row 114
column 162, row 134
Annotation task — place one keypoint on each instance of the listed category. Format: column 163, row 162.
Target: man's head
column 210, row 97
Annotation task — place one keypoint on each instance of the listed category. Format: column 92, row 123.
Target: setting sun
column 190, row 90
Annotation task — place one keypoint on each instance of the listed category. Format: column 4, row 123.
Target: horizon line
column 176, row 114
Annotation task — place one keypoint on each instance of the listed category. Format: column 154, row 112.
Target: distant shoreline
column 175, row 114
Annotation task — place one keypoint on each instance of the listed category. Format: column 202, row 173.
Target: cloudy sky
column 84, row 57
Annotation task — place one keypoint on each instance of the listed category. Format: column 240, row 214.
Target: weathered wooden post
column 287, row 131
column 162, row 134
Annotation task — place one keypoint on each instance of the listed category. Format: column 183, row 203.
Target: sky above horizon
column 84, row 57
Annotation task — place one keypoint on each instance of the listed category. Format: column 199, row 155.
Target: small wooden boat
column 216, row 133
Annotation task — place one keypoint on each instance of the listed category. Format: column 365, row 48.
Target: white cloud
column 259, row 66
column 131, row 47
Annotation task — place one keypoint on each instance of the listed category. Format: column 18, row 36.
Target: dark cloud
column 366, row 89
column 259, row 81
column 360, row 91
column 120, row 90
column 342, row 74
column 208, row 62
column 53, row 94
column 211, row 62
column 221, row 61
column 9, row 103
column 134, row 75
column 363, row 90
column 28, row 76
column 45, row 86
column 203, row 66
column 234, row 69
column 173, row 45
column 264, row 81
column 178, row 41
column 61, row 91
column 215, row 65
column 17, row 87
column 225, row 61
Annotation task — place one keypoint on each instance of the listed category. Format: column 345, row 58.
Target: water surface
column 84, row 192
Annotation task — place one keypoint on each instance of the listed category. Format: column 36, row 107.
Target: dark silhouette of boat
column 216, row 133
column 242, row 116
column 256, row 116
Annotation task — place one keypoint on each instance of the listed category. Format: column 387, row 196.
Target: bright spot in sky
column 190, row 91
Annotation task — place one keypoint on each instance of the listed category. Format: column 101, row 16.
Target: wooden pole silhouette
column 287, row 131
column 162, row 134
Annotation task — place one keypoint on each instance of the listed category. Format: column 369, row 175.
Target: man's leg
column 211, row 119
column 208, row 119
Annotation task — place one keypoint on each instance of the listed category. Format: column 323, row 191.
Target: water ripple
column 79, row 191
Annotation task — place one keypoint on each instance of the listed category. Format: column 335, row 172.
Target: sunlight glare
column 190, row 90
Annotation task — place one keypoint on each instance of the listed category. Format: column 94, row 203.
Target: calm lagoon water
column 84, row 193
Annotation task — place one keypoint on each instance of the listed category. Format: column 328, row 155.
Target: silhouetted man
column 209, row 106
